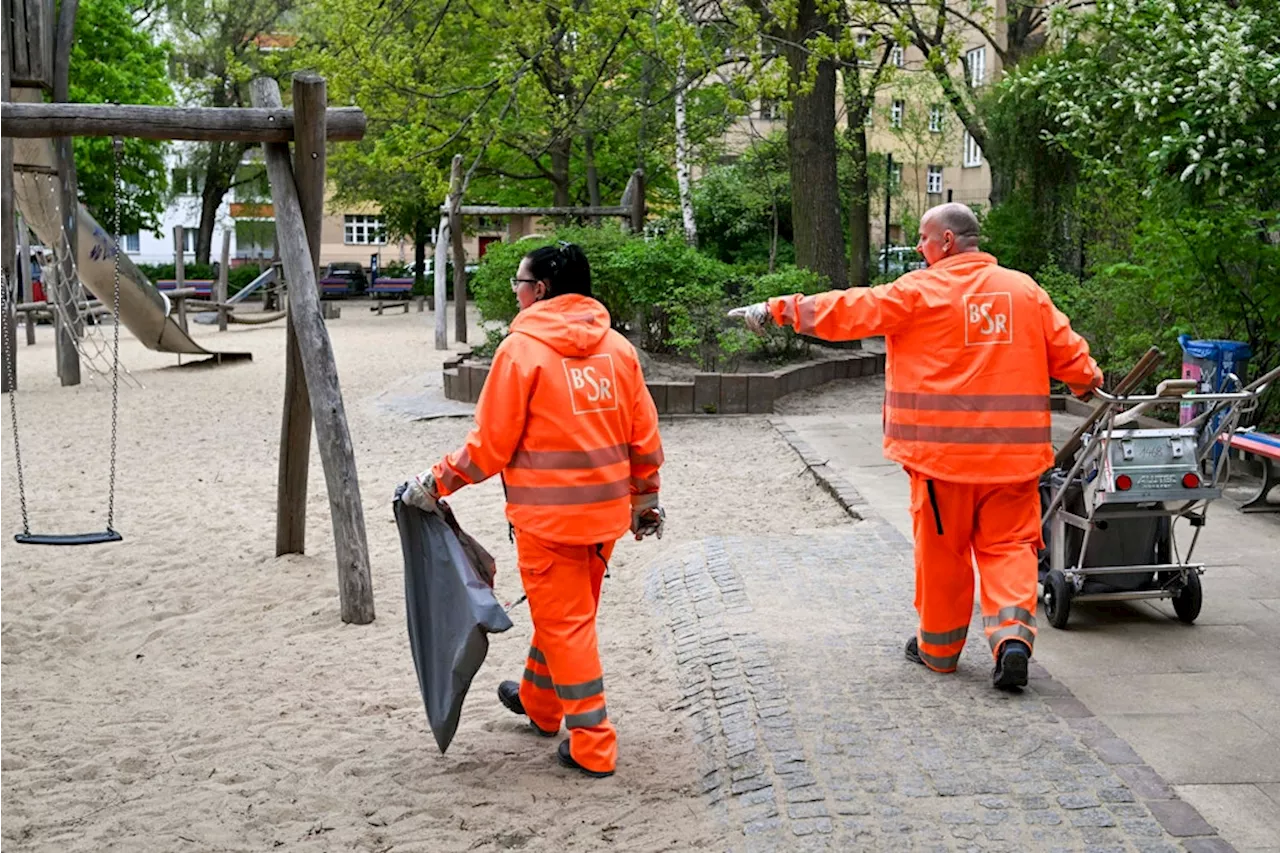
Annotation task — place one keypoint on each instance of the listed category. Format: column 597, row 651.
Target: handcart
column 1108, row 519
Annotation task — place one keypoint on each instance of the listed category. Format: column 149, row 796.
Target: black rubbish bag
column 450, row 607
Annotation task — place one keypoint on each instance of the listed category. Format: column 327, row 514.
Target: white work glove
column 756, row 317
column 421, row 492
column 648, row 522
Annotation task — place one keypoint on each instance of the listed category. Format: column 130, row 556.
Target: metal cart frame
column 1109, row 519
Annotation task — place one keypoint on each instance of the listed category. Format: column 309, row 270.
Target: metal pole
column 888, row 193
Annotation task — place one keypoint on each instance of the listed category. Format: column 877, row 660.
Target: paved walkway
column 1199, row 705
column 816, row 734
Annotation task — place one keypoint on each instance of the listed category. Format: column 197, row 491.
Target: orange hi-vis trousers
column 563, row 680
column 956, row 524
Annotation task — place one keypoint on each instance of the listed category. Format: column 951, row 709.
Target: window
column 934, row 184
column 972, row 153
column 975, row 63
column 181, row 181
column 935, row 118
column 189, row 235
column 251, row 184
column 362, row 230
column 255, row 238
column 898, row 56
column 895, row 177
column 132, row 245
column 896, row 112
column 770, row 109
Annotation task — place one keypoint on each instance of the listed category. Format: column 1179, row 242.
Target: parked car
column 902, row 259
column 343, row 279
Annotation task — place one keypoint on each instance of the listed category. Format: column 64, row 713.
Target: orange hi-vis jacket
column 566, row 418
column 971, row 347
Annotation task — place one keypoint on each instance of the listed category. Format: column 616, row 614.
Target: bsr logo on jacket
column 988, row 319
column 592, row 383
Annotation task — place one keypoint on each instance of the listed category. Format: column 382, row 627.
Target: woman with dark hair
column 566, row 419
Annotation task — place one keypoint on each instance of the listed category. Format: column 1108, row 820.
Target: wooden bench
column 1267, row 448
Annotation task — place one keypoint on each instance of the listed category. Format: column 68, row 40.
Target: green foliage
column 239, row 277
column 191, row 272
column 113, row 60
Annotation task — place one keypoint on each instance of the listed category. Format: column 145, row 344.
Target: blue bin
column 1210, row 364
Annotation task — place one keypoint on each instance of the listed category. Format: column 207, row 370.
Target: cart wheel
column 1057, row 599
column 1188, row 601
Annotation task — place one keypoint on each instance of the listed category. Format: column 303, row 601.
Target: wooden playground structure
column 36, row 60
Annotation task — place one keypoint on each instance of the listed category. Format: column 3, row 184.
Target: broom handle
column 1144, row 368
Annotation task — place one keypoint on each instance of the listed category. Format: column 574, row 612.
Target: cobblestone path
column 815, row 733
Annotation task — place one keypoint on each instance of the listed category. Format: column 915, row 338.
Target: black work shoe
column 509, row 696
column 913, row 651
column 1011, row 666
column 566, row 760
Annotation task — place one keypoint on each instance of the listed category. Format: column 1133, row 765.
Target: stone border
column 708, row 393
column 1178, row 817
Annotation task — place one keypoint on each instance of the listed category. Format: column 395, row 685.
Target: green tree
column 219, row 47
column 116, row 60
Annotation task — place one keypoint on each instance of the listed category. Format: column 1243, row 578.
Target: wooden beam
column 459, row 252
column 180, row 273
column 224, row 271
column 496, row 210
column 309, row 99
column 8, row 231
column 355, row 586
column 199, row 124
column 637, row 202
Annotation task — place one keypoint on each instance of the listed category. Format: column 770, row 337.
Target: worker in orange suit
column 567, row 421
column 970, row 348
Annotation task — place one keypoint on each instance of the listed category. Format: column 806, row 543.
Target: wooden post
column 637, row 201
column 355, row 586
column 224, row 271
column 459, row 252
column 309, row 97
column 9, row 356
column 68, row 357
column 441, row 259
column 180, row 270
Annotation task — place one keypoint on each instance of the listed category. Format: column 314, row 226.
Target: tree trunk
column 419, row 254
column 682, row 156
column 593, row 176
column 224, row 160
column 811, row 138
column 859, row 207
column 561, row 151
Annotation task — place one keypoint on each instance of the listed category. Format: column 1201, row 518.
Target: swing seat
column 99, row 538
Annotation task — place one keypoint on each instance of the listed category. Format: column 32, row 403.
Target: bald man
column 971, row 347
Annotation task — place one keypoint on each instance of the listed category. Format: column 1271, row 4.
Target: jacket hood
column 572, row 325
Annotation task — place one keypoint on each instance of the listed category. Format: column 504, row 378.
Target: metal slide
column 144, row 310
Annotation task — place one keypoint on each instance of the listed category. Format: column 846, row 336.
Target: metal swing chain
column 118, row 145
column 13, row 397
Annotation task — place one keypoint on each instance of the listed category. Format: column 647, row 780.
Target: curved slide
column 144, row 310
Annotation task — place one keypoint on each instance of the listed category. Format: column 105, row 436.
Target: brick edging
column 1178, row 817
column 709, row 393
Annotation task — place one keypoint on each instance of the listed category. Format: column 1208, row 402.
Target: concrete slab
column 1202, row 748
column 1255, row 816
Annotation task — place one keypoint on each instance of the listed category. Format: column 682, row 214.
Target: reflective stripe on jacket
column 971, row 347
column 566, row 418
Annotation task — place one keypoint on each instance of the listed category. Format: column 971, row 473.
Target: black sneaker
column 509, row 696
column 913, row 651
column 566, row 760
column 1011, row 666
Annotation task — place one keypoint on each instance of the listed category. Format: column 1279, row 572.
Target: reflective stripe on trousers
column 563, row 679
column 996, row 526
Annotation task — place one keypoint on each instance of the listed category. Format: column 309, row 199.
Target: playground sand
column 186, row 690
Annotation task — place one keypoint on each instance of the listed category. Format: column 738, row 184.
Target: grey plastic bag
column 451, row 610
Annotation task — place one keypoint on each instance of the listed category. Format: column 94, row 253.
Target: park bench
column 1267, row 448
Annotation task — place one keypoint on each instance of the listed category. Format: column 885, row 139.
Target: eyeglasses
column 515, row 282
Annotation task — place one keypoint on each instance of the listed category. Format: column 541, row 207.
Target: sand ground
column 186, row 690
